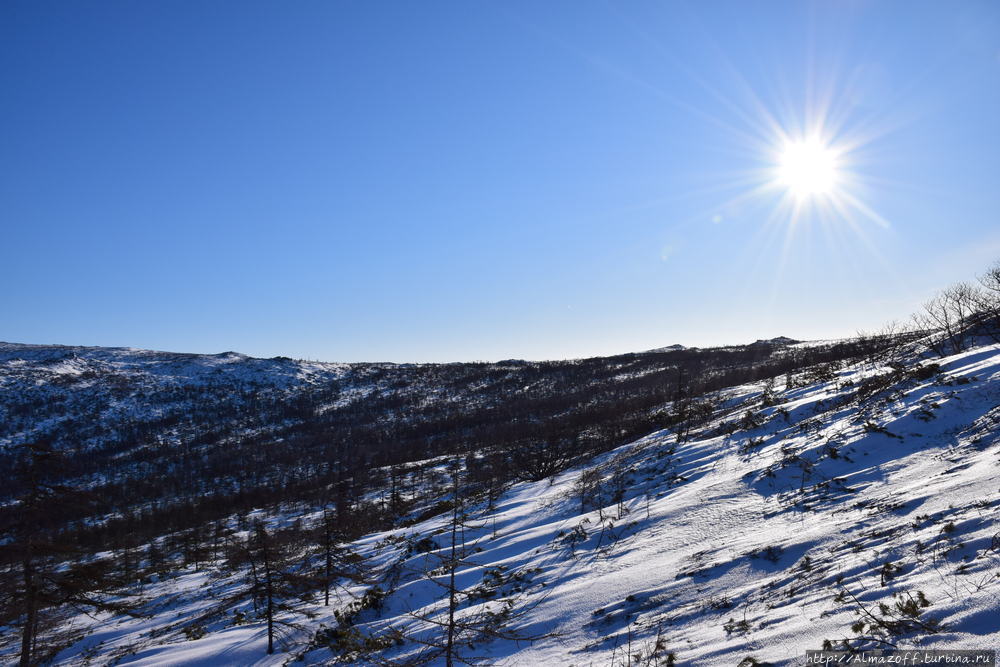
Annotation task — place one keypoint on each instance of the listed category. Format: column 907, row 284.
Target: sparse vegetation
column 266, row 492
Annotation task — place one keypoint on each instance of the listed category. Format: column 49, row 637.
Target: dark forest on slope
column 191, row 448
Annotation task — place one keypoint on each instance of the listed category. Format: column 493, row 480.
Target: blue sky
column 482, row 180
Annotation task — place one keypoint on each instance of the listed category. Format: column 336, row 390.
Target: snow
column 766, row 524
column 676, row 347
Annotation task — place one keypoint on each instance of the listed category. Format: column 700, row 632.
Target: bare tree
column 473, row 616
column 884, row 344
column 587, row 488
column 50, row 573
column 327, row 556
column 948, row 317
column 988, row 303
column 275, row 575
column 269, row 575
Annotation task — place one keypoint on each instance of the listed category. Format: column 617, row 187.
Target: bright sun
column 807, row 168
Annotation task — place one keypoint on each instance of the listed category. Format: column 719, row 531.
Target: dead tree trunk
column 268, row 586
column 452, row 566
column 31, row 610
column 327, row 548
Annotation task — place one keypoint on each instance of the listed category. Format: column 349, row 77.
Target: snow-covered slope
column 782, row 520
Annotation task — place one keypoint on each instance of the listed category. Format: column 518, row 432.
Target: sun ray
column 864, row 209
column 806, row 143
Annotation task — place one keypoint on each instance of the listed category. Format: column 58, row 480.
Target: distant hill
column 779, row 340
column 669, row 348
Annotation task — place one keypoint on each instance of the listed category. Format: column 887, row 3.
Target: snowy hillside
column 165, row 430
column 848, row 502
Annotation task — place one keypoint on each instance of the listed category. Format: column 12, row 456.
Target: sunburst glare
column 808, row 167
